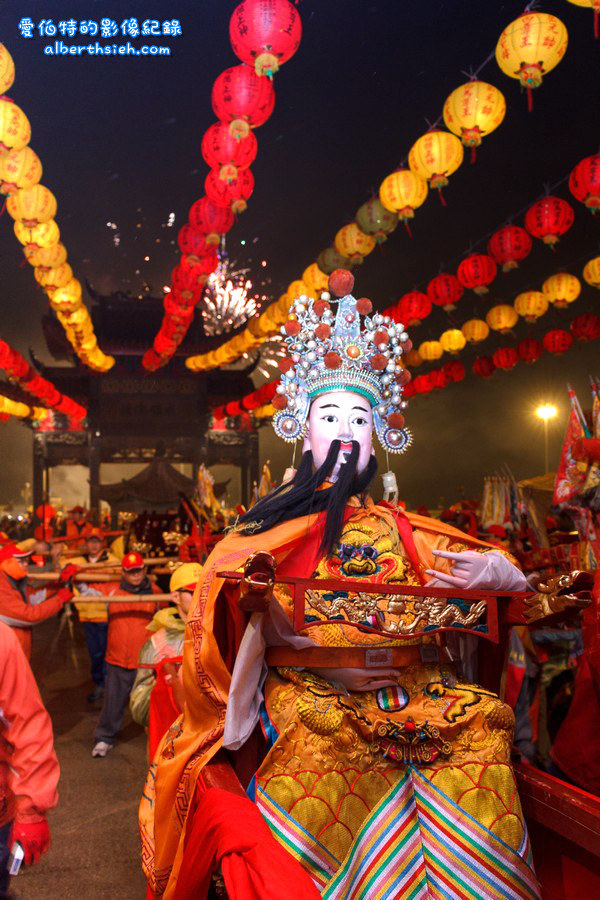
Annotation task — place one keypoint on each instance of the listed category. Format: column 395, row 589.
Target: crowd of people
column 134, row 647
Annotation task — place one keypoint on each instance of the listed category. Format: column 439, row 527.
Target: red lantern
column 445, row 290
column 193, row 243
column 422, row 384
column 557, row 341
column 243, row 99
column 265, row 33
column 505, row 358
column 233, row 194
column 188, row 278
column 226, row 153
column 454, row 370
column 438, row 379
column 210, row 219
column 151, row 360
column 476, row 272
column 584, row 182
column 412, row 308
column 549, row 219
column 509, row 245
column 529, row 350
column 484, row 366
column 586, row 327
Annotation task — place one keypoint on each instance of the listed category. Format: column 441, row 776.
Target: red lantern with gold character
column 243, row 99
column 233, row 194
column 549, row 219
column 445, row 290
column 265, row 34
column 413, row 307
column 505, row 358
column 584, row 181
column 210, row 219
column 484, row 366
column 226, row 153
column 557, row 341
column 476, row 272
column 529, row 350
column 193, row 243
column 509, row 245
column 586, row 327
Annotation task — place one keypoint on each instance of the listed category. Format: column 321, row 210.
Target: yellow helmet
column 185, row 577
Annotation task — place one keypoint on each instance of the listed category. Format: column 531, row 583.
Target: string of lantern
column 264, row 34
column 527, row 49
column 20, row 410
column 18, row 370
column 33, row 207
column 558, row 291
column 584, row 328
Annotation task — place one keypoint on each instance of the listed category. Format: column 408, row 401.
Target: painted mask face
column 343, row 416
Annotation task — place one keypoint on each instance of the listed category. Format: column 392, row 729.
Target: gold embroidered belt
column 351, row 657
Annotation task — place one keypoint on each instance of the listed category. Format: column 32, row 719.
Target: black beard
column 301, row 497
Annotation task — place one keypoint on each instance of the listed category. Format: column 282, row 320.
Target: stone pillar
column 94, row 468
column 39, row 472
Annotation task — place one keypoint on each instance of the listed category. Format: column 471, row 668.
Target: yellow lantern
column 353, row 243
column 297, row 289
column 530, row 47
column 7, row 70
column 15, row 131
column 501, row 318
column 67, row 297
column 531, row 305
column 430, row 350
column 473, row 110
column 48, row 257
column 44, row 235
column 19, row 169
column 561, row 289
column 435, row 156
column 453, row 340
column 475, row 330
column 32, row 206
column 316, row 280
column 590, row 4
column 591, row 272
column 402, row 192
column 54, row 278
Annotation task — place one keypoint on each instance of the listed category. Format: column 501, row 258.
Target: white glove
column 486, row 571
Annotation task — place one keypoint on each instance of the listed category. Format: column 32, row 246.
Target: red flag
column 571, row 473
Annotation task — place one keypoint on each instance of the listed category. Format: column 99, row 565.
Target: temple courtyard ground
column 95, row 850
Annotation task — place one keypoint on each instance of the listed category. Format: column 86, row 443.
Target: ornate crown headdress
column 328, row 350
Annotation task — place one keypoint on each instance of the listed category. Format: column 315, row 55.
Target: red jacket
column 127, row 623
column 16, row 612
column 29, row 770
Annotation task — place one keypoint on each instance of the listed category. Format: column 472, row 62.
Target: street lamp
column 546, row 412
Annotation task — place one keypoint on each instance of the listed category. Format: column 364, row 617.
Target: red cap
column 96, row 533
column 132, row 561
column 77, row 509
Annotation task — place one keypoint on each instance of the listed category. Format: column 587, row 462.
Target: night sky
column 119, row 139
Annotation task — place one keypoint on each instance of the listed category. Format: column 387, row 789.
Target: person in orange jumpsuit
column 29, row 770
column 127, row 632
column 15, row 608
column 94, row 616
column 78, row 527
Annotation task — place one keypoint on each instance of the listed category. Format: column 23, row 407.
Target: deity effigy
column 383, row 770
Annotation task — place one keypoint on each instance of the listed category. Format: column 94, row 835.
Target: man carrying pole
column 127, row 633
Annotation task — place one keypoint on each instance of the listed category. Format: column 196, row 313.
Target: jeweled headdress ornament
column 329, row 350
